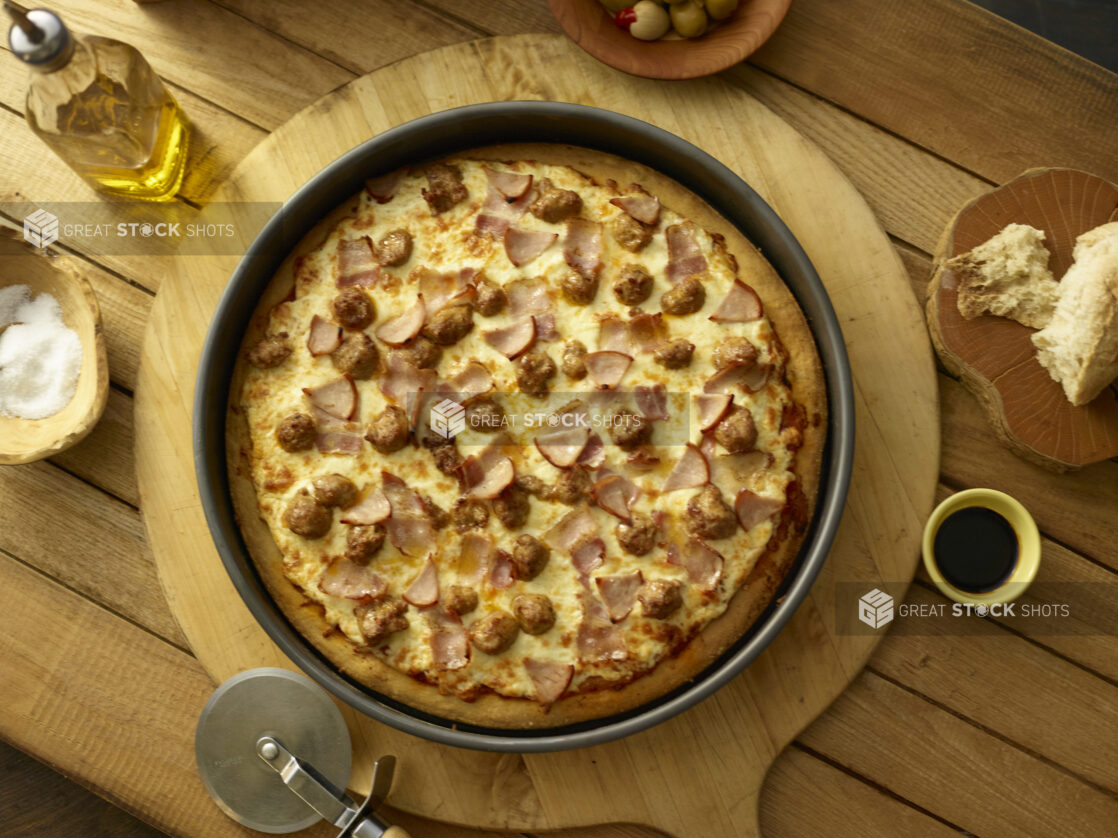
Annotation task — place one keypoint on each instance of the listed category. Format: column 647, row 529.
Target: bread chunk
column 1007, row 276
column 1079, row 346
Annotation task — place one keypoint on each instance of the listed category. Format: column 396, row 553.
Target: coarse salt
column 40, row 357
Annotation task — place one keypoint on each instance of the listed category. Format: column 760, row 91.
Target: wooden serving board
column 994, row 356
column 699, row 774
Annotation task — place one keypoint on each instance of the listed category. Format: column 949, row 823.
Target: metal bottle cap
column 39, row 38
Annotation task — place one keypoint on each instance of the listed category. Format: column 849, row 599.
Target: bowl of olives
column 680, row 39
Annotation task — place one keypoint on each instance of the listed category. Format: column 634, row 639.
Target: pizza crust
column 803, row 372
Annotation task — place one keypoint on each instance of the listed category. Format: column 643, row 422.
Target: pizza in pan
column 525, row 437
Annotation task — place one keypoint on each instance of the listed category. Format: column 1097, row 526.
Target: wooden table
column 923, row 105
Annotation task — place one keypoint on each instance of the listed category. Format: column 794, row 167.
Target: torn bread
column 1079, row 346
column 1007, row 276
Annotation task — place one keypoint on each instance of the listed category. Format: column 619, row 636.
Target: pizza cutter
column 274, row 754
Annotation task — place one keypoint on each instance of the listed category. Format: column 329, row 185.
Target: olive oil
column 976, row 549
column 98, row 105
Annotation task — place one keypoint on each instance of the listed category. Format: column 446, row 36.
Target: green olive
column 652, row 21
column 721, row 9
column 689, row 19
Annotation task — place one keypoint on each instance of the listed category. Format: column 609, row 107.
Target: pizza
column 525, row 437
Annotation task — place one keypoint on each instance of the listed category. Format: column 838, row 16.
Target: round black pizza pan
column 456, row 130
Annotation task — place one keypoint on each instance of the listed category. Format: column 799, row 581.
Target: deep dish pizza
column 526, row 436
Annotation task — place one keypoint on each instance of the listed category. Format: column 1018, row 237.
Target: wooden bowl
column 994, row 356
column 27, row 440
column 728, row 43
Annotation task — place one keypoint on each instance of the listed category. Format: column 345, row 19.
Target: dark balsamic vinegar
column 975, row 549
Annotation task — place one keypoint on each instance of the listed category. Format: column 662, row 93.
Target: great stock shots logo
column 875, row 609
column 40, row 228
column 448, row 418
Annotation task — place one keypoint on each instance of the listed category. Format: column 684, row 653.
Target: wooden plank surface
column 889, row 115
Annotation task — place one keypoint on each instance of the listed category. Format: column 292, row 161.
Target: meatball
column 445, row 453
column 633, row 285
column 512, row 507
column 439, row 517
column 577, row 288
column 533, row 371
column 357, row 355
column 534, row 613
column 630, row 233
column 529, row 557
column 296, row 432
column 490, row 297
column 736, row 432
column 686, row 297
column 639, row 537
column 306, row 517
column 733, row 351
column 444, row 187
column 363, row 542
column 420, row 352
column 485, row 416
column 459, row 600
column 495, row 632
column 675, row 354
column 708, row 516
column 660, row 598
column 450, row 325
column 270, row 351
column 573, row 361
column 334, row 490
column 573, row 486
column 394, row 249
column 389, row 430
column 470, row 514
column 381, row 619
column 629, row 430
column 353, row 309
column 531, row 484
column 554, row 204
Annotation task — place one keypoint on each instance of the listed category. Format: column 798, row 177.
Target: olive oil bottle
column 100, row 107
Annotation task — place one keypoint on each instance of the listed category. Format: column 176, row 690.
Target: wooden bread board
column 699, row 774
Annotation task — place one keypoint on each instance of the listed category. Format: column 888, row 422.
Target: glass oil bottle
column 100, row 107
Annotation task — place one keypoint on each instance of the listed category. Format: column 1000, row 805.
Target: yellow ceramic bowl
column 1028, row 539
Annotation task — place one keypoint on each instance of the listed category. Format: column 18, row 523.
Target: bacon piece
column 403, row 327
column 691, row 471
column 349, row 580
column 649, row 331
column 613, row 336
column 740, row 305
column 643, row 207
column 594, row 454
column 488, row 474
column 619, row 592
column 522, row 246
column 703, row 565
column 383, row 187
column 606, row 369
column 511, row 185
column 583, row 247
column 528, row 296
column 514, row 339
column 424, row 588
column 324, row 337
column 652, row 402
column 477, row 554
column 356, row 265
column 642, row 460
column 589, row 555
column 727, row 377
column 685, row 257
column 502, row 574
column 545, row 327
column 338, row 442
column 473, row 380
column 614, row 494
column 711, row 408
column 738, row 469
column 563, row 448
column 409, row 528
column 756, row 377
column 450, row 645
column 575, row 527
column 550, row 679
column 407, row 385
column 337, row 398
column 440, row 289
column 500, row 210
column 598, row 638
column 492, row 225
column 752, row 509
column 371, row 509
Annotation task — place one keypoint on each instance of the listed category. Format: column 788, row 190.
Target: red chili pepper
column 625, row 18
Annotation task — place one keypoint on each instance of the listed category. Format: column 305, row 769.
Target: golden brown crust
column 803, row 373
